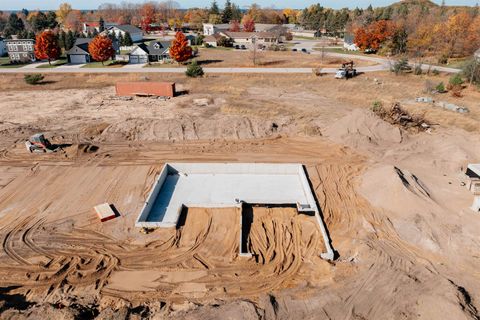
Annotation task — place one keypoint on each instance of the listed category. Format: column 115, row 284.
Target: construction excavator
column 346, row 71
column 39, row 144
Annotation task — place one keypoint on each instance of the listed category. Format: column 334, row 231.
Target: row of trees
column 419, row 30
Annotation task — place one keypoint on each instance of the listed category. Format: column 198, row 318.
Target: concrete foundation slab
column 210, row 185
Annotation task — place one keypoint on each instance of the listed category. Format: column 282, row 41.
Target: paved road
column 381, row 64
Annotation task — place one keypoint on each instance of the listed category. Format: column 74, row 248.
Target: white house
column 135, row 33
column 210, row 28
column 348, row 43
column 95, row 26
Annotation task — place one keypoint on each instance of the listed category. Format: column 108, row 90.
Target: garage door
column 138, row 59
column 78, row 58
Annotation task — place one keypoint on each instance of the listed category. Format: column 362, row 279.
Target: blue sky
column 93, row 4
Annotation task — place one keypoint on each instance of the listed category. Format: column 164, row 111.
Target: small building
column 210, row 28
column 155, row 51
column 349, row 44
column 95, row 26
column 212, row 40
column 79, row 53
column 20, row 50
column 135, row 33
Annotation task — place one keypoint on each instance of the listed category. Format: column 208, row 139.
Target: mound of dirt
column 390, row 188
column 363, row 129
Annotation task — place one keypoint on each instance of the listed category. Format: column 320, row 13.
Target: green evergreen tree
column 31, row 35
column 62, row 39
column 121, row 40
column 89, row 34
column 70, row 40
column 101, row 25
column 227, row 13
column 94, row 33
column 214, row 8
column 52, row 20
column 127, row 40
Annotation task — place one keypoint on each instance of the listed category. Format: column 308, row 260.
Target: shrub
column 456, row 80
column 440, row 87
column 443, row 59
column 435, row 72
column 194, row 70
column 33, row 79
column 377, row 106
column 400, row 66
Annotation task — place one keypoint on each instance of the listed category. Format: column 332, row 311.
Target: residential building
column 95, row 26
column 20, row 50
column 210, row 29
column 155, row 51
column 246, row 38
column 212, row 40
column 135, row 33
column 349, row 44
column 79, row 53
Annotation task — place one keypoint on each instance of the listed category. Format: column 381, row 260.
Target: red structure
column 161, row 89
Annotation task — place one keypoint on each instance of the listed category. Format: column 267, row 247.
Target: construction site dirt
column 393, row 202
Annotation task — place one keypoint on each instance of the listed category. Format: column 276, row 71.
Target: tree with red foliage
column 46, row 46
column 248, row 23
column 180, row 51
column 234, row 26
column 373, row 35
column 101, row 48
column 147, row 12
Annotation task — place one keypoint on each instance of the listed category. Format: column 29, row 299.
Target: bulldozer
column 346, row 71
column 39, row 144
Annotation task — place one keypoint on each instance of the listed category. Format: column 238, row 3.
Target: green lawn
column 217, row 48
column 106, row 64
column 59, row 62
column 5, row 63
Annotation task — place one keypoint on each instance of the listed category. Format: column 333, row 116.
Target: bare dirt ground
column 393, row 202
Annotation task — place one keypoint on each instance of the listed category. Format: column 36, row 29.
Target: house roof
column 236, row 35
column 158, row 47
column 212, row 38
column 80, row 46
column 128, row 28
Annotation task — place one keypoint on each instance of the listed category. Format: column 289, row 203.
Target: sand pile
column 362, row 129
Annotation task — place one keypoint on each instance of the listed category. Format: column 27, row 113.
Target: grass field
column 106, row 64
column 60, row 62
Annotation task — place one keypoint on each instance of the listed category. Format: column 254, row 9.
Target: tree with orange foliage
column 248, row 23
column 147, row 11
column 180, row 51
column 234, row 26
column 372, row 36
column 101, row 48
column 47, row 47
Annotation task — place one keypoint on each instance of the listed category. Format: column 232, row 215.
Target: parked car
column 304, row 50
column 243, row 47
column 294, row 49
column 237, row 46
